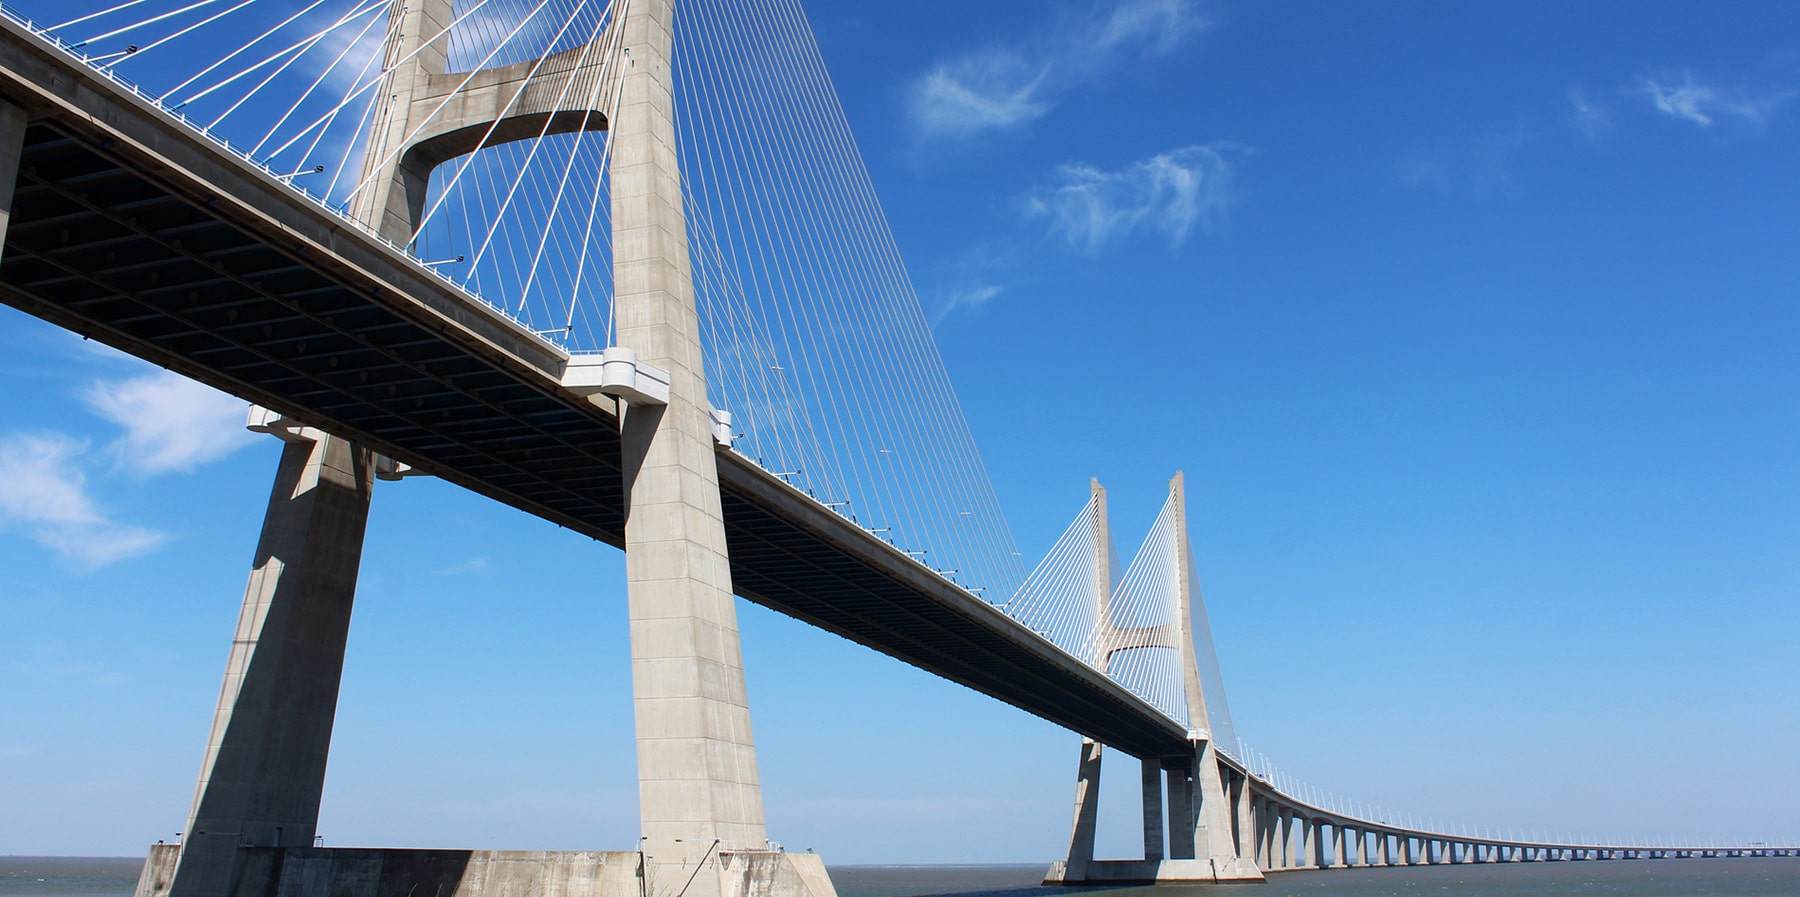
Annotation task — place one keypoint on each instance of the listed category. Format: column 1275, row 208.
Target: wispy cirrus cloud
column 1011, row 83
column 1167, row 195
column 1589, row 116
column 44, row 492
column 965, row 296
column 1684, row 97
column 172, row 424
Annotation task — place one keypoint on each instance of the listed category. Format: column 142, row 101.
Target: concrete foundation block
column 360, row 872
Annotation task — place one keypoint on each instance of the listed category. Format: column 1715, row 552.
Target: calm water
column 1772, row 877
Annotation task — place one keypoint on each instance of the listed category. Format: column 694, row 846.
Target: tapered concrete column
column 1087, row 787
column 1153, row 809
column 1259, row 811
column 1284, row 837
column 265, row 759
column 1182, row 789
column 1337, row 846
column 1309, row 844
column 12, row 148
column 698, row 790
column 1212, row 815
column 1243, row 823
column 1087, row 807
column 1387, row 848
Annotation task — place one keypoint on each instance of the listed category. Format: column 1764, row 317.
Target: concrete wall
column 358, row 872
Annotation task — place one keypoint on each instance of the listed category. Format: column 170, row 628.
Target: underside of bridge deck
column 131, row 230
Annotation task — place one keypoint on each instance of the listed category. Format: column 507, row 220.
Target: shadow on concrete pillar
column 265, row 760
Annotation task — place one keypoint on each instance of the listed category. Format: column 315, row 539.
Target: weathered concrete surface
column 1148, row 872
column 264, row 770
column 1087, row 808
column 698, row 791
column 361, row 872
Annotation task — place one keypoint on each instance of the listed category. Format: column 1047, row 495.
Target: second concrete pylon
column 699, row 797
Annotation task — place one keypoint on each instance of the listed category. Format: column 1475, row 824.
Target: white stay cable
column 95, row 15
column 139, row 52
column 150, row 21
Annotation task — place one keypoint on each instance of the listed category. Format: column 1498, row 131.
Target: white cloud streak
column 1006, row 85
column 171, row 423
column 1683, row 97
column 967, row 296
column 43, row 491
column 1589, row 116
column 1167, row 194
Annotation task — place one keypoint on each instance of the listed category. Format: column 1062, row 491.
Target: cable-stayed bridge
column 618, row 265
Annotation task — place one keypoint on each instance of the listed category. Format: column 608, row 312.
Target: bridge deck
column 135, row 230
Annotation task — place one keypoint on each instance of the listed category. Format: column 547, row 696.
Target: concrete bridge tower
column 700, row 801
column 1207, row 839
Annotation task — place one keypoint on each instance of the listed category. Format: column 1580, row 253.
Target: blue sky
column 1473, row 328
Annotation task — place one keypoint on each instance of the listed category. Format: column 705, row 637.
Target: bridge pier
column 257, row 799
column 1265, row 827
column 1087, row 810
column 1151, row 773
column 264, row 769
column 1211, row 823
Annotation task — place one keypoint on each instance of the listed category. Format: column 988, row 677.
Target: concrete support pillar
column 1243, row 818
column 1259, row 811
column 1309, row 844
column 1153, row 809
column 1337, row 847
column 1210, row 813
column 265, row 759
column 1387, row 848
column 698, row 789
column 1182, row 797
column 1284, row 838
column 1087, row 808
column 12, row 148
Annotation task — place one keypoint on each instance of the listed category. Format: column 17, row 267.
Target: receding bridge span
column 132, row 227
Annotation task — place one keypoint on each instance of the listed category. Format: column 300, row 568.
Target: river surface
column 1747, row 877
